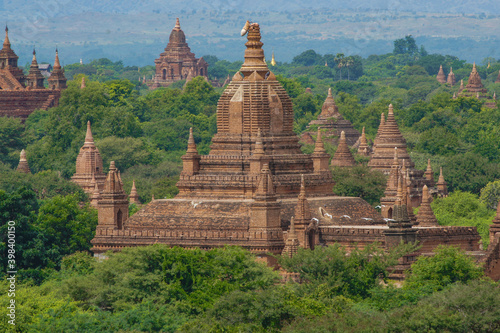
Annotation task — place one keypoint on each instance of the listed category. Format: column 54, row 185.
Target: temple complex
column 257, row 190
column 177, row 62
column 20, row 95
column 332, row 124
column 247, row 189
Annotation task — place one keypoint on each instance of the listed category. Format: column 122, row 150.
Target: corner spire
column 319, row 147
column 425, row 216
column 191, row 144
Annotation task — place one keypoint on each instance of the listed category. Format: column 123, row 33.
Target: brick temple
column 256, row 189
column 332, row 123
column 177, row 62
column 20, row 95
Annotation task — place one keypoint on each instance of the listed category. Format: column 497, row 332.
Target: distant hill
column 137, row 31
column 70, row 7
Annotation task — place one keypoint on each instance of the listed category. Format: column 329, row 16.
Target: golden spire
column 273, row 61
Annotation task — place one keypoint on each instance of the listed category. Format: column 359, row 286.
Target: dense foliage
column 162, row 289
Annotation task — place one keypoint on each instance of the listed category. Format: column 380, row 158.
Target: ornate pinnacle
column 89, row 140
column 319, row 147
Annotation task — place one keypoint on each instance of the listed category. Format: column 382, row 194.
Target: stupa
column 332, row 124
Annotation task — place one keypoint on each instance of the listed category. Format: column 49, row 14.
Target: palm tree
column 340, row 60
column 349, row 61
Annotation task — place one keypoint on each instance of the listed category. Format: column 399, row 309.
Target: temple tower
column 265, row 223
column 388, row 138
column 440, row 76
column 254, row 127
column 332, row 122
column 400, row 227
column 363, row 148
column 177, row 62
column 113, row 205
column 34, row 80
column 343, row 156
column 474, row 85
column 292, row 242
column 89, row 165
column 57, row 80
column 8, row 60
column 429, row 174
column 23, row 165
column 134, row 196
column 425, row 216
column 320, row 156
column 441, row 184
column 451, row 78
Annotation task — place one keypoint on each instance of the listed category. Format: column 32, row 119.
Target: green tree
column 359, row 181
column 490, row 194
column 448, row 265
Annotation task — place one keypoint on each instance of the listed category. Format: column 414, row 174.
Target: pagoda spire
column 35, row 77
column 191, row 144
column 343, row 156
column 177, row 24
column 329, row 108
column 273, row 61
column 451, row 78
column 440, row 76
column 429, row 174
column 89, row 139
column 57, row 80
column 292, row 242
column 23, row 165
column 425, row 216
column 441, row 184
column 134, row 197
column 190, row 160
column 254, row 55
column 83, row 85
column 6, row 42
column 363, row 148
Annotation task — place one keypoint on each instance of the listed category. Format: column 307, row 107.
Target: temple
column 177, row 62
column 332, row 124
column 20, row 95
column 246, row 190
